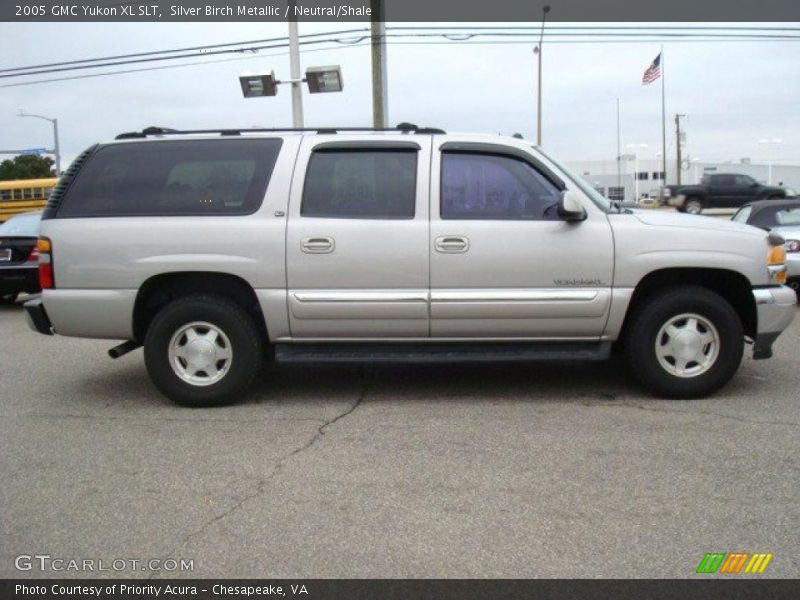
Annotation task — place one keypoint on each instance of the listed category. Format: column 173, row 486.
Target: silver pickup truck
column 216, row 249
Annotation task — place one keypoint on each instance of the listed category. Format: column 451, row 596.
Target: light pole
column 769, row 160
column 294, row 69
column 56, row 149
column 538, row 52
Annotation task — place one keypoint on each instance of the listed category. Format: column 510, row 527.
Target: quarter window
column 490, row 186
column 197, row 177
column 361, row 184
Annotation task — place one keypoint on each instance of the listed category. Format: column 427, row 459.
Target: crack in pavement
column 276, row 470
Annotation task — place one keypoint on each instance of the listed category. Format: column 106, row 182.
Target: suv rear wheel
column 203, row 351
column 686, row 342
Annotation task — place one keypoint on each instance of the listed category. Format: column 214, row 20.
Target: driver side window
column 492, row 187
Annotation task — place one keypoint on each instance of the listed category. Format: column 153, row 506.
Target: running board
column 441, row 352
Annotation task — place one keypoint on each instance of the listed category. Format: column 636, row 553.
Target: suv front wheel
column 686, row 342
column 203, row 351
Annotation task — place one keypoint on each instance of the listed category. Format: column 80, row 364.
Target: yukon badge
column 578, row 282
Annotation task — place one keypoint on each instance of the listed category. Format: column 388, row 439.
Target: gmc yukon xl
column 216, row 249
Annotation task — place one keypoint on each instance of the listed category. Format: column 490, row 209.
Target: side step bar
column 441, row 352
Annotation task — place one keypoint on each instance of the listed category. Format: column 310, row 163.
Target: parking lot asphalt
column 542, row 470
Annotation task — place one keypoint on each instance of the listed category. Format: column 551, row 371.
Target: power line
column 163, row 67
column 468, row 34
column 397, row 39
column 174, row 50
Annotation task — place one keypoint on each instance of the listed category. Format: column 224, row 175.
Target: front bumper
column 775, row 308
column 37, row 317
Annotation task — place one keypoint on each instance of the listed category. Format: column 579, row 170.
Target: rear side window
column 198, row 177
column 361, row 184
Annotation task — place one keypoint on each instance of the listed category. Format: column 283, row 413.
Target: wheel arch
column 159, row 290
column 731, row 285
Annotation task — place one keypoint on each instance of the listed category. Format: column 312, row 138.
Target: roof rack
column 405, row 128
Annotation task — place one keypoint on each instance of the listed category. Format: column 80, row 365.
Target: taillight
column 45, row 251
column 33, row 256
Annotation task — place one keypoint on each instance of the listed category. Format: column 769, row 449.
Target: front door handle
column 451, row 244
column 318, row 245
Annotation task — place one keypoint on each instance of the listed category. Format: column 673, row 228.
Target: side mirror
column 570, row 208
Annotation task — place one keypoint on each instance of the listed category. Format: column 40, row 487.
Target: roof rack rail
column 405, row 128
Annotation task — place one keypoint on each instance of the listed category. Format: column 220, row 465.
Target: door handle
column 318, row 245
column 451, row 244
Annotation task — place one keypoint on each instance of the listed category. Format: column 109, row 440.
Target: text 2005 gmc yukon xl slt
column 211, row 248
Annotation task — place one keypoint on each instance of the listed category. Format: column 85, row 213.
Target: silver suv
column 213, row 248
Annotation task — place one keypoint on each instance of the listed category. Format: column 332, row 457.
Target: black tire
column 646, row 322
column 693, row 206
column 245, row 342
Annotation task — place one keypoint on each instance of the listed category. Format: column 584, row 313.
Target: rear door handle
column 451, row 244
column 318, row 245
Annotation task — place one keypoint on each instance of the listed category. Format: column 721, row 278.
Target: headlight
column 792, row 245
column 790, row 192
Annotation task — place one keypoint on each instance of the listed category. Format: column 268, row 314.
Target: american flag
column 653, row 72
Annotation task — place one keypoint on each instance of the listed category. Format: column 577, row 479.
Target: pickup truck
column 721, row 190
column 217, row 249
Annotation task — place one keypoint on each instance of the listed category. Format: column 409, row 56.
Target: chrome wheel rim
column 693, row 208
column 687, row 345
column 200, row 353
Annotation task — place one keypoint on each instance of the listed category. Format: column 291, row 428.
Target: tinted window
column 743, row 180
column 723, row 180
column 367, row 184
column 488, row 186
column 198, row 177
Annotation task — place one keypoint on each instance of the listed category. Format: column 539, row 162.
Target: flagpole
column 663, row 124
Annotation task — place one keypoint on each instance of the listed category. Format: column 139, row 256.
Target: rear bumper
column 37, row 317
column 19, row 279
column 775, row 307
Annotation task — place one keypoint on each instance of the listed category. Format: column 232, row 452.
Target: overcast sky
column 733, row 93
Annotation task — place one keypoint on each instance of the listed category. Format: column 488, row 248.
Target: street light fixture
column 56, row 150
column 256, row 85
column 324, row 79
column 320, row 80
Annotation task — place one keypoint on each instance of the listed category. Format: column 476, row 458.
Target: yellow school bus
column 24, row 195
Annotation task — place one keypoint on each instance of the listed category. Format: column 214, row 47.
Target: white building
column 643, row 178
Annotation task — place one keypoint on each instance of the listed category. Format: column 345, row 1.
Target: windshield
column 24, row 225
column 584, row 186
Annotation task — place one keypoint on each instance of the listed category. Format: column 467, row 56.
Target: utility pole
column 380, row 100
column 538, row 51
column 294, row 65
column 678, row 146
